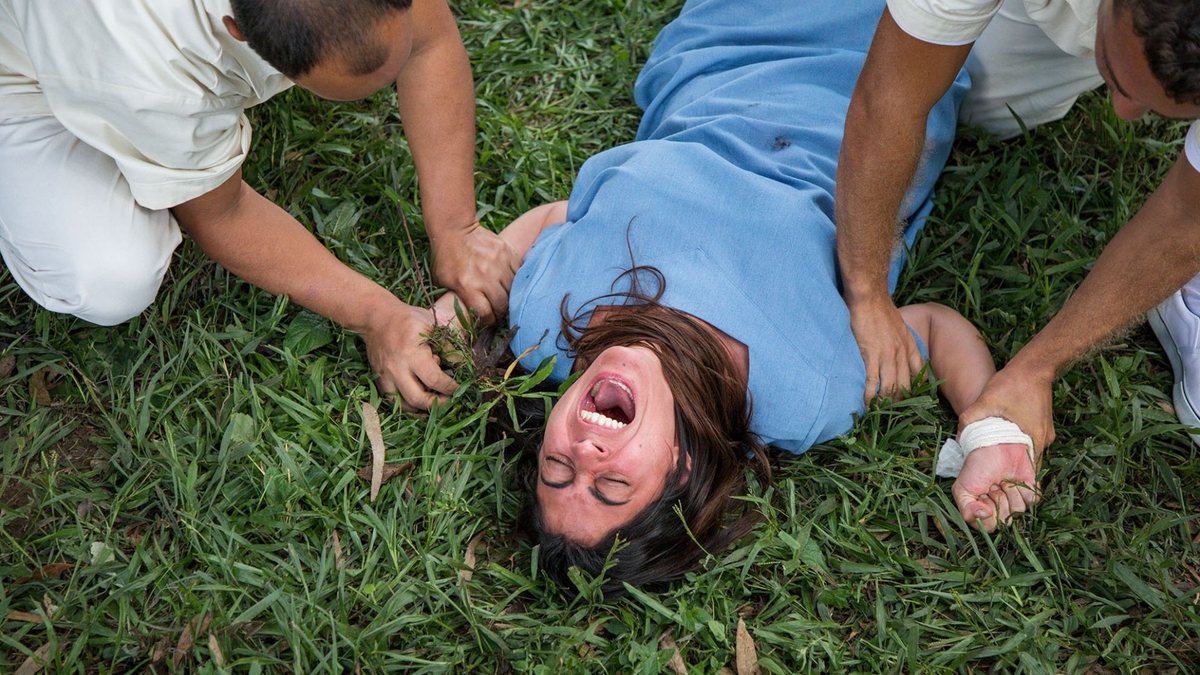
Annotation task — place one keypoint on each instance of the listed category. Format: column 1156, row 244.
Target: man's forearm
column 900, row 82
column 261, row 243
column 872, row 176
column 436, row 96
column 1149, row 258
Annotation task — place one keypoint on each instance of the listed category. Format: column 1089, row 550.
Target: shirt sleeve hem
column 165, row 195
column 939, row 30
column 1191, row 146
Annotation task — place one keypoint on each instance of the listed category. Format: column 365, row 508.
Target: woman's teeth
column 601, row 419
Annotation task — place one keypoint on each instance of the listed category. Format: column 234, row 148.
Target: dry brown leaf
column 215, row 647
column 51, row 571
column 27, row 617
column 747, row 654
column 49, row 607
column 134, row 534
column 375, row 435
column 7, row 365
column 196, row 626
column 390, row 471
column 513, row 366
column 468, row 570
column 160, row 651
column 937, row 523
column 37, row 387
column 339, row 557
column 676, row 663
column 35, row 661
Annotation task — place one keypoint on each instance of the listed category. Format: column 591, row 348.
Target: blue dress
column 729, row 190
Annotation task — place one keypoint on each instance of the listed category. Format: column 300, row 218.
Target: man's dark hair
column 295, row 35
column 1170, row 33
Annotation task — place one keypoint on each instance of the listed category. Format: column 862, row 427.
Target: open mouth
column 609, row 403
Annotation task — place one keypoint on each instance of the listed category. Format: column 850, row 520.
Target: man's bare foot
column 996, row 483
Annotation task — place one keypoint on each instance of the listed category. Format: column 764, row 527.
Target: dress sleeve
column 943, row 22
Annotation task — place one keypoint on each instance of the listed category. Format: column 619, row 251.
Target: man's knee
column 112, row 296
column 108, row 292
column 105, row 284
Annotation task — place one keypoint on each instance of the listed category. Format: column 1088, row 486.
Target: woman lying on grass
column 691, row 278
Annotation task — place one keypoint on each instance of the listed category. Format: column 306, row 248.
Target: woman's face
column 609, row 446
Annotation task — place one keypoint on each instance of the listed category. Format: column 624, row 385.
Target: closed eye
column 555, row 473
column 564, row 475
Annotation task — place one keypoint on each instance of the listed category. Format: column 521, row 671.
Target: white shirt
column 1070, row 24
column 158, row 85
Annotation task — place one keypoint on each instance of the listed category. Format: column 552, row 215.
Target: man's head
column 1148, row 52
column 338, row 50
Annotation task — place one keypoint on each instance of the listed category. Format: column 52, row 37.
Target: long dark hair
column 699, row 511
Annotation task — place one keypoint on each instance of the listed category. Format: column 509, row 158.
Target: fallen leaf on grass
column 51, row 571
column 101, row 553
column 160, row 651
column 468, row 570
column 27, row 617
column 7, row 365
column 937, row 523
column 513, row 366
column 390, row 471
column 339, row 558
column 37, row 387
column 747, row 654
column 35, row 661
column 187, row 638
column 215, row 647
column 48, row 607
column 375, row 435
column 676, row 663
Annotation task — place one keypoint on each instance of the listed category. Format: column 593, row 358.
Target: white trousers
column 1017, row 70
column 70, row 232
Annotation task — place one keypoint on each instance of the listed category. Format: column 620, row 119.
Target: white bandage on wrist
column 980, row 434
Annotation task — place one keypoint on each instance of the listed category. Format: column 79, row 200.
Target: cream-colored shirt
column 1070, row 24
column 158, row 85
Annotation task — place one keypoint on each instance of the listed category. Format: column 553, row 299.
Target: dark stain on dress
column 781, row 143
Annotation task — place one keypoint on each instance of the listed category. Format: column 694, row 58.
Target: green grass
column 199, row 461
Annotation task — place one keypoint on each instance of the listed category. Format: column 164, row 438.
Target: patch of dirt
column 74, row 454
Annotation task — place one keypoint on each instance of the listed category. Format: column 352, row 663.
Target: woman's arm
column 957, row 354
column 520, row 235
column 998, row 481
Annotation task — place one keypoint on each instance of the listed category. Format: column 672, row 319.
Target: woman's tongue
column 613, row 401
